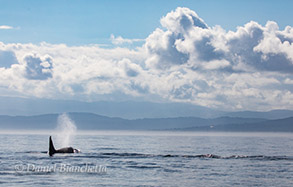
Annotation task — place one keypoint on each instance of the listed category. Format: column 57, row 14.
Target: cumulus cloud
column 38, row 68
column 166, row 47
column 188, row 40
column 182, row 20
column 184, row 60
column 261, row 48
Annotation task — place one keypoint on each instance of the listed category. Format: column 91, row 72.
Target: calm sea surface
column 128, row 158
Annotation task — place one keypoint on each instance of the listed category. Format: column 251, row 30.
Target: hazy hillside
column 273, row 114
column 280, row 125
column 13, row 106
column 88, row 121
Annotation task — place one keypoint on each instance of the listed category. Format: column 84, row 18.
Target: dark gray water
column 150, row 159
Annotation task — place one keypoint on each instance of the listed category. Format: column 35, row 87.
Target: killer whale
column 52, row 149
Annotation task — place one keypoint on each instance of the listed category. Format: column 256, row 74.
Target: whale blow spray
column 66, row 129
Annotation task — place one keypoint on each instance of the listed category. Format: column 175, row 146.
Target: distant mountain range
column 280, row 125
column 14, row 106
column 22, row 113
column 90, row 121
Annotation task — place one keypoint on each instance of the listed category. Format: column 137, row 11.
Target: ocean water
column 148, row 158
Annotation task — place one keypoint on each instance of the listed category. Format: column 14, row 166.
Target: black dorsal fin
column 52, row 149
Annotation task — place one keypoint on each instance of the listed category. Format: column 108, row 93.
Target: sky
column 232, row 55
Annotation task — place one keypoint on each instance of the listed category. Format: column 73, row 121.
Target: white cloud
column 5, row 27
column 38, row 68
column 181, row 20
column 120, row 40
column 288, row 81
column 184, row 61
column 216, row 64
